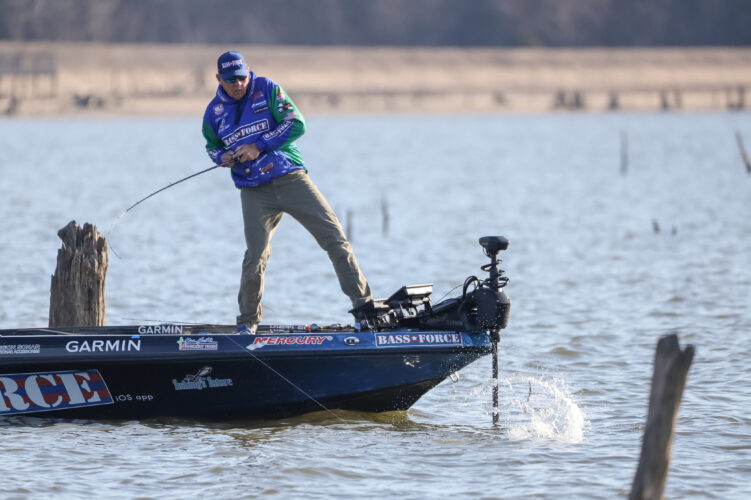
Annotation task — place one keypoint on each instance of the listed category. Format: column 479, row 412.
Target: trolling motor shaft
column 493, row 305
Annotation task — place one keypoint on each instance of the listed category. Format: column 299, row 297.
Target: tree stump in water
column 77, row 290
column 668, row 381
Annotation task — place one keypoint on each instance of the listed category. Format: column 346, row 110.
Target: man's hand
column 228, row 159
column 246, row 152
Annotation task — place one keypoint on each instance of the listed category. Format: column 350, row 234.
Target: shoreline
column 74, row 79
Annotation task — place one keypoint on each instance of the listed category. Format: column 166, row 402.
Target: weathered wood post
column 668, row 380
column 384, row 217
column 77, row 290
column 742, row 148
column 624, row 153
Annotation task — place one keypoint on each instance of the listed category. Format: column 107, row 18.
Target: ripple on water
column 564, row 351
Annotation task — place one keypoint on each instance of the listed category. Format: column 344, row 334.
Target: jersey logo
column 245, row 131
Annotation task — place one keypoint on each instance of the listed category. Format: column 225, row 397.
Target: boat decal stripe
column 51, row 391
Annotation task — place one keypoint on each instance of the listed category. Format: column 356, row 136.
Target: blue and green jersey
column 267, row 117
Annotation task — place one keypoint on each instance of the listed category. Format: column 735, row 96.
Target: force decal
column 277, row 131
column 402, row 339
column 246, row 131
column 50, row 391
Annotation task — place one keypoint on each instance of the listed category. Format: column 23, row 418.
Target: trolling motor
column 485, row 309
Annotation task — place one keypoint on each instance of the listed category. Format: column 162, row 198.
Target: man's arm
column 290, row 122
column 215, row 147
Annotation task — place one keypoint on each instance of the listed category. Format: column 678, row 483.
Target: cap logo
column 229, row 64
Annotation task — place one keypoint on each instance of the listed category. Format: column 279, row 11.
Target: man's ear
column 218, row 78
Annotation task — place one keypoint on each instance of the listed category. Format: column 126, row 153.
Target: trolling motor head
column 493, row 245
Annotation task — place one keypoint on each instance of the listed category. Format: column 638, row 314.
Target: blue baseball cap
column 231, row 64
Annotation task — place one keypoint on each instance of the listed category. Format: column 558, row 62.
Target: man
column 250, row 127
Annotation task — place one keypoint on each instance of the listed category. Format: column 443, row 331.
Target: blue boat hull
column 199, row 373
column 398, row 349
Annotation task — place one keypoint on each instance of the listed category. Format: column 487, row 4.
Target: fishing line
column 285, row 378
column 56, row 332
column 447, row 293
column 146, row 198
column 302, row 391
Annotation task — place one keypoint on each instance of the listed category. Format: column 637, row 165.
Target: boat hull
column 204, row 374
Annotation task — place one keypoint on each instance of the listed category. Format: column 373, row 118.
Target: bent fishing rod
column 229, row 164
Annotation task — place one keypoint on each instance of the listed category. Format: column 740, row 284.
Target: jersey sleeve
column 290, row 124
column 214, row 145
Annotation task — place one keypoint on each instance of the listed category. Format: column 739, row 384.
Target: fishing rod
column 152, row 194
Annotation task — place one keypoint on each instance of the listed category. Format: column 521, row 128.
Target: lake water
column 593, row 287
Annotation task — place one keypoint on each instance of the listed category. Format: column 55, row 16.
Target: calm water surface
column 593, row 288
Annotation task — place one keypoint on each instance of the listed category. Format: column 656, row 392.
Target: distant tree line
column 514, row 23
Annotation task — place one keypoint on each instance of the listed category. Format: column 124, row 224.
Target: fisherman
column 250, row 127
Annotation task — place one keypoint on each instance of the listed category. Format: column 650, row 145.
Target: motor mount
column 483, row 309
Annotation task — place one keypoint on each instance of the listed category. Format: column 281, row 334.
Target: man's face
column 236, row 89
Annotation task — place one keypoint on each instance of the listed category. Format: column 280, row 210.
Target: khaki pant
column 263, row 207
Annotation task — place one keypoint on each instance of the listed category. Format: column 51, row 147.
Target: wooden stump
column 668, row 380
column 77, row 290
column 742, row 148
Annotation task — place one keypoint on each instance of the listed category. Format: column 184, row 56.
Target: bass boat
column 396, row 350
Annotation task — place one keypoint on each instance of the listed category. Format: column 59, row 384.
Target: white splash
column 540, row 409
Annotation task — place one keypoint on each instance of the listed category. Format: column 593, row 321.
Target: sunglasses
column 232, row 79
